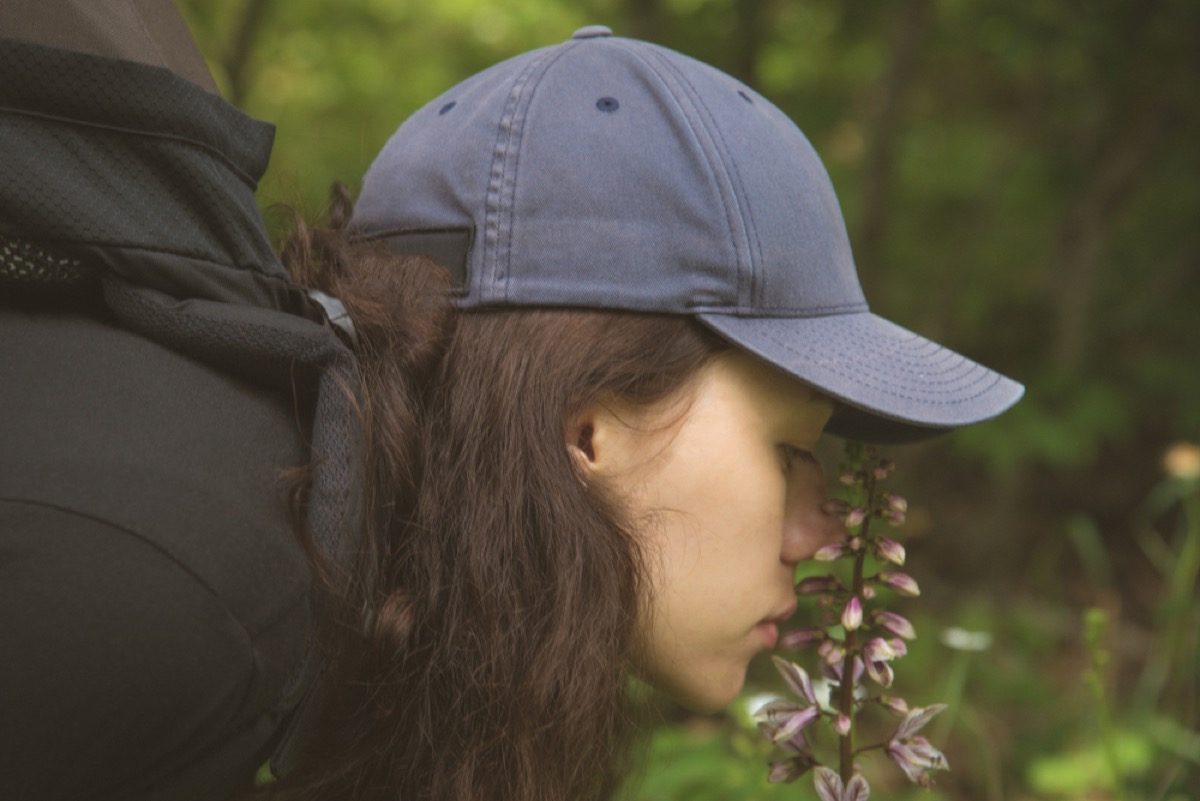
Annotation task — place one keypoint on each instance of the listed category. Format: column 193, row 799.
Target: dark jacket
column 160, row 373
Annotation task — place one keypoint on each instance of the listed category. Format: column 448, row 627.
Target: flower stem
column 846, row 688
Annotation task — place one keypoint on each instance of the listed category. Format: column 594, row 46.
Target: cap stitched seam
column 753, row 241
column 891, row 389
column 730, row 219
column 524, row 88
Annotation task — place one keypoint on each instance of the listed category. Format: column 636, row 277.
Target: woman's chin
column 704, row 694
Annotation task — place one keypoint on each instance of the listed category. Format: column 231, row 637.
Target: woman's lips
column 768, row 629
column 769, row 632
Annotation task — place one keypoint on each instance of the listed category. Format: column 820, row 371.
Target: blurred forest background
column 1021, row 181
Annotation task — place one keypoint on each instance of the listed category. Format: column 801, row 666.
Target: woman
column 591, row 429
column 583, row 439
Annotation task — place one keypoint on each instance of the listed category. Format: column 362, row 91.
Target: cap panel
column 624, row 203
column 803, row 262
column 435, row 170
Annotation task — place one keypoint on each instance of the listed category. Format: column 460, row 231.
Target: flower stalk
column 856, row 644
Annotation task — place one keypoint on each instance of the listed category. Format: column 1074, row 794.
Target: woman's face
column 723, row 487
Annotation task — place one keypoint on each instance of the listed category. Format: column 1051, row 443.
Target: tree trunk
column 911, row 24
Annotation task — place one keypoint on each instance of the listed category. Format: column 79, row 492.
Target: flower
column 1182, row 461
column 817, row 585
column 835, row 506
column 802, row 638
column 965, row 640
column 900, row 582
column 876, row 655
column 895, row 624
column 913, row 753
column 829, row 553
column 788, row 770
column 888, row 550
column 782, row 720
column 829, row 786
column 796, row 678
column 855, row 517
column 852, row 615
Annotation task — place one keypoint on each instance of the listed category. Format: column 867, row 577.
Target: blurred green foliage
column 1020, row 183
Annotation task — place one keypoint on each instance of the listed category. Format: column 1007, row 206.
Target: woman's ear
column 607, row 438
column 580, row 440
column 597, row 438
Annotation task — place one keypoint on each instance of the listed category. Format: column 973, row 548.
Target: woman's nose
column 807, row 526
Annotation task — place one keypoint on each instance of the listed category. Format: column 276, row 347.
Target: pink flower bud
column 894, row 704
column 815, row 585
column 896, row 503
column 852, row 615
column 894, row 518
column 868, row 592
column 792, row 768
column 796, row 678
column 802, row 638
column 788, row 770
column 841, row 724
column 898, row 646
column 881, row 673
column 830, row 552
column 855, row 544
column 834, row 654
column 887, row 550
column 878, row 649
column 900, row 582
column 895, row 624
column 835, row 506
column 855, row 517
column 849, row 479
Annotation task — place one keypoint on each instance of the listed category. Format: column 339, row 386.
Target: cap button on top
column 592, row 32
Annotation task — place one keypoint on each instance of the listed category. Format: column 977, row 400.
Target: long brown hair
column 507, row 588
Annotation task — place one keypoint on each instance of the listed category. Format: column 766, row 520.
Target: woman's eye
column 792, row 454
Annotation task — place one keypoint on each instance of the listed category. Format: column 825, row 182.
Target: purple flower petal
column 896, row 624
column 802, row 638
column 878, row 649
column 852, row 615
column 916, row 719
column 900, row 582
column 888, row 550
column 828, row 784
column 857, row 789
column 796, row 678
column 831, row 552
column 817, row 585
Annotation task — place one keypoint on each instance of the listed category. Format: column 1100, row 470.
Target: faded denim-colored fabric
column 611, row 173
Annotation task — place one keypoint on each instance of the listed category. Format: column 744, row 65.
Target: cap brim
column 892, row 385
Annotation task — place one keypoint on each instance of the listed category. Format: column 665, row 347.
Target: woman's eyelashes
column 792, row 454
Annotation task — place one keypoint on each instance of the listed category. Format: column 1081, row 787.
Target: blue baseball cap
column 610, row 173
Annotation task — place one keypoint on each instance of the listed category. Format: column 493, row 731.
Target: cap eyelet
column 746, row 97
column 608, row 104
column 447, row 107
